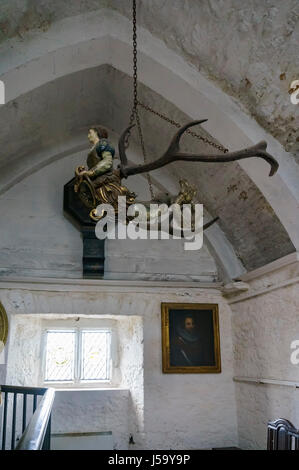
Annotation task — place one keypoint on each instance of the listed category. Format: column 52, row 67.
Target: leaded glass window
column 77, row 355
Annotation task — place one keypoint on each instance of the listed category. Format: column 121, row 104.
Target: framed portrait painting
column 190, row 338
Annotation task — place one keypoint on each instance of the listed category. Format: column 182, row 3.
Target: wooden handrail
column 34, row 434
column 23, row 390
column 14, row 393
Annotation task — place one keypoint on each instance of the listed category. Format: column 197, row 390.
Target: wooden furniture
column 282, row 435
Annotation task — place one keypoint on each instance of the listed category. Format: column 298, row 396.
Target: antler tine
column 257, row 150
column 173, row 154
column 273, row 163
column 175, row 142
column 171, row 229
column 122, row 146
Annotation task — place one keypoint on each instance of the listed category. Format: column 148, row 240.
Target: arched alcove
column 77, row 53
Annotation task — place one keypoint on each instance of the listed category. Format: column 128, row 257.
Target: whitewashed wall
column 265, row 322
column 117, row 407
column 185, row 411
column 95, row 411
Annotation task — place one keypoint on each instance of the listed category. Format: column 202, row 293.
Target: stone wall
column 265, row 322
column 186, row 411
column 93, row 411
column 249, row 49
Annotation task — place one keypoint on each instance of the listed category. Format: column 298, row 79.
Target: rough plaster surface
column 130, row 330
column 26, row 346
column 263, row 328
column 248, row 48
column 259, row 404
column 103, row 410
column 174, row 416
column 93, row 411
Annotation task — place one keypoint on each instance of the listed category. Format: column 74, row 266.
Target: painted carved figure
column 100, row 183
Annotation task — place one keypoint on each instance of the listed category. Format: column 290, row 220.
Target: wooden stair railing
column 35, row 434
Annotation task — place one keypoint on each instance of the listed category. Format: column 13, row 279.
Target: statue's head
column 97, row 133
column 189, row 323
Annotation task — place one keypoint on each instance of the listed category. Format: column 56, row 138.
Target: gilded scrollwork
column 3, row 324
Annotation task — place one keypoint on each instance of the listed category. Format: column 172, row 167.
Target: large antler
column 173, row 154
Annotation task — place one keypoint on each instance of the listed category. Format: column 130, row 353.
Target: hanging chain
column 178, row 125
column 135, row 81
column 135, row 115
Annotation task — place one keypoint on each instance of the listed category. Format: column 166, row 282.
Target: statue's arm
column 103, row 166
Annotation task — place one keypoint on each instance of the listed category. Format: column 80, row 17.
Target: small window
column 77, row 355
column 95, row 355
column 60, row 356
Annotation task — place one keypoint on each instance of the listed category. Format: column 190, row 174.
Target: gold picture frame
column 3, row 324
column 190, row 338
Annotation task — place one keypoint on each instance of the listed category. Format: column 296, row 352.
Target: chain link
column 134, row 113
column 135, row 80
column 178, row 125
column 134, row 116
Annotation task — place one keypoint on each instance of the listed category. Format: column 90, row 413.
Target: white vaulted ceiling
column 68, row 68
